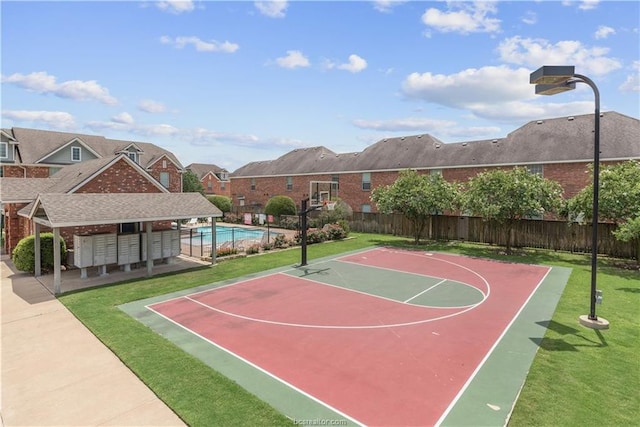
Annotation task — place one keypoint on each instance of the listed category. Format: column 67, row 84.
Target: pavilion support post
column 147, row 229
column 56, row 261
column 36, row 248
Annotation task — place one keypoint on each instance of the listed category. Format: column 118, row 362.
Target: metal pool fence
column 196, row 242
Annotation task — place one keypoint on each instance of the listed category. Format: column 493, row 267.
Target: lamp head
column 544, row 89
column 552, row 74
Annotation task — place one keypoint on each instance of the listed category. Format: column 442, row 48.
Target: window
column 222, row 185
column 76, row 154
column 535, row 169
column 366, row 181
column 253, row 183
column 223, row 176
column 164, row 164
column 209, row 185
column 164, row 179
column 4, row 150
column 289, row 183
column 365, row 208
column 336, row 179
column 133, row 156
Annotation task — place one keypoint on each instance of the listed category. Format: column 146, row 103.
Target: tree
column 221, row 202
column 618, row 200
column 191, row 183
column 507, row 196
column 417, row 196
column 280, row 205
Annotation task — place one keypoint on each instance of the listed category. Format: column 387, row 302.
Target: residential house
column 36, row 161
column 560, row 149
column 214, row 179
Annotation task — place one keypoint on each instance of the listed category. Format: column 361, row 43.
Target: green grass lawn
column 579, row 377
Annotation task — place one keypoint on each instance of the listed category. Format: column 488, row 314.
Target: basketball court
column 376, row 337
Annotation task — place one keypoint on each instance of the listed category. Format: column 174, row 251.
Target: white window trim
column 168, row 179
column 6, row 150
column 73, row 149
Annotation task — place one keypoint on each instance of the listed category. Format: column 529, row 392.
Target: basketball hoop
column 330, row 206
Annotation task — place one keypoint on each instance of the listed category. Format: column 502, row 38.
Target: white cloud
column 52, row 119
column 294, row 59
column 530, row 18
column 632, row 83
column 603, row 32
column 463, row 18
column 42, row 82
column 588, row 4
column 471, row 87
column 272, row 8
column 124, row 118
column 355, row 64
column 175, row 6
column 536, row 52
column 385, row 6
column 405, row 124
column 200, row 45
column 151, row 106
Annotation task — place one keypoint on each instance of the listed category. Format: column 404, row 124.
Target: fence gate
column 463, row 228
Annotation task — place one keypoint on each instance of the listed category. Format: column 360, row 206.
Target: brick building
column 35, row 162
column 560, row 149
column 214, row 179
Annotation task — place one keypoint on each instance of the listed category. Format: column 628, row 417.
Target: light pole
column 550, row 80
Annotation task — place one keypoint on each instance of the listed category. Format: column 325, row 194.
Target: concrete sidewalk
column 56, row 373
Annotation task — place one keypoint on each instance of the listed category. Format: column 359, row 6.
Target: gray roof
column 16, row 190
column 66, row 210
column 22, row 190
column 36, row 144
column 566, row 139
column 201, row 169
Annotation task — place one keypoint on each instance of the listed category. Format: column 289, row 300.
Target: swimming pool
column 202, row 235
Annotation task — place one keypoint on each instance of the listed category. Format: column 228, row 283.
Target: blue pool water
column 202, row 235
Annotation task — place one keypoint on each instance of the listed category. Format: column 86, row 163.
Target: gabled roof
column 67, row 180
column 22, row 190
column 557, row 140
column 72, row 177
column 36, row 145
column 67, row 210
column 202, row 169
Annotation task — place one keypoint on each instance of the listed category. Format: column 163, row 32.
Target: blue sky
column 233, row 82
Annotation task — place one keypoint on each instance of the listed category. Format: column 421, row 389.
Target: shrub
column 253, row 249
column 334, row 231
column 24, row 253
column 231, row 218
column 289, row 222
column 221, row 202
column 280, row 205
column 280, row 242
column 226, row 252
column 267, row 246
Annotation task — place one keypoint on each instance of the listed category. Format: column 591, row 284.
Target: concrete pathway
column 56, row 373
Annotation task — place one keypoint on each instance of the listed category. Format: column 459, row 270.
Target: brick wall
column 571, row 176
column 15, row 171
column 165, row 165
column 121, row 177
column 213, row 186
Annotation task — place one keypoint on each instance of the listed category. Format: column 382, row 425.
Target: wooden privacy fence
column 555, row 235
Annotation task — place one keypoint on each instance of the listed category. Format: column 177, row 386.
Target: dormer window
column 4, row 150
column 223, row 176
column 133, row 156
column 76, row 154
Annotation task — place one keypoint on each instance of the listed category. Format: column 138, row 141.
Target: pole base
column 600, row 323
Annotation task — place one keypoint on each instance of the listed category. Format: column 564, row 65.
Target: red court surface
column 373, row 360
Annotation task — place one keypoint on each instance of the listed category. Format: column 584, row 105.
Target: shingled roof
column 66, row 210
column 36, row 144
column 202, row 169
column 565, row 139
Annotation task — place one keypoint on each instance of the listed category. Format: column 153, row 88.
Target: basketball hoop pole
column 304, row 210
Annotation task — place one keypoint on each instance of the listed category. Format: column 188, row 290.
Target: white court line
column 264, row 371
column 428, row 289
column 486, row 357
